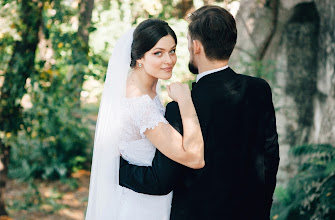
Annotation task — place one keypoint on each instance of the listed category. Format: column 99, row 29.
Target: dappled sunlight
column 72, row 214
column 26, row 102
column 53, row 199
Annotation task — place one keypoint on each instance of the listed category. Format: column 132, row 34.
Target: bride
column 131, row 123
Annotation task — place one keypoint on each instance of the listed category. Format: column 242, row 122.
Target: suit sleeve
column 271, row 150
column 163, row 175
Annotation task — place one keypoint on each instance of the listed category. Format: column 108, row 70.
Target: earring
column 140, row 65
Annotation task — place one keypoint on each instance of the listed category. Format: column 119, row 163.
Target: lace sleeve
column 149, row 115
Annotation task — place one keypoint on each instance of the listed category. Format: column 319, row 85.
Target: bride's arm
column 189, row 148
column 164, row 174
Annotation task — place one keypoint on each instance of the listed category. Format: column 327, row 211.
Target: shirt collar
column 200, row 75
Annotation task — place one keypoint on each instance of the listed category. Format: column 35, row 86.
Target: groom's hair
column 146, row 36
column 216, row 29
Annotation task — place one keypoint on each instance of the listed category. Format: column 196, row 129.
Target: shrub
column 310, row 194
column 54, row 140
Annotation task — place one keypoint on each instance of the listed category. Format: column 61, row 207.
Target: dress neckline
column 142, row 96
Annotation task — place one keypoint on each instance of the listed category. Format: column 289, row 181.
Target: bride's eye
column 158, row 53
column 173, row 51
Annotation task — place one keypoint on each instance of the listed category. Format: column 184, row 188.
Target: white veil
column 105, row 192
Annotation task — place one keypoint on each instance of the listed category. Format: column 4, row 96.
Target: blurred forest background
column 53, row 59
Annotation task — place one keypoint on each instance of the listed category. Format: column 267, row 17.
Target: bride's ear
column 139, row 62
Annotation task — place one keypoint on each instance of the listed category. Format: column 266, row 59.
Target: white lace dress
column 141, row 113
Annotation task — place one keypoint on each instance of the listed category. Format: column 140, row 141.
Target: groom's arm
column 271, row 147
column 161, row 177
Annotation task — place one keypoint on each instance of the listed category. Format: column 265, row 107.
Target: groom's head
column 213, row 29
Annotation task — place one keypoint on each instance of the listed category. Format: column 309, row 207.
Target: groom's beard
column 193, row 68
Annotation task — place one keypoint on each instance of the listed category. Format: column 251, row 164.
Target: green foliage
column 20, row 65
column 71, row 183
column 310, row 194
column 265, row 69
column 53, row 147
column 55, row 139
column 32, row 198
column 35, row 201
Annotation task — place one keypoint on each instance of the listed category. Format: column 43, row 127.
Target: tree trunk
column 85, row 17
column 80, row 51
column 185, row 7
column 4, row 160
column 20, row 67
column 326, row 71
column 274, row 5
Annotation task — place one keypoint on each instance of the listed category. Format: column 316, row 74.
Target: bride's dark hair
column 146, row 36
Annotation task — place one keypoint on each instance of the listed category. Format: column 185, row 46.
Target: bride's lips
column 168, row 69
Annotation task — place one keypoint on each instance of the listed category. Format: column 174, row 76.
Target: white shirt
column 200, row 75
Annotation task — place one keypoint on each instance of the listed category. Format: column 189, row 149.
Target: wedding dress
column 141, row 113
column 120, row 130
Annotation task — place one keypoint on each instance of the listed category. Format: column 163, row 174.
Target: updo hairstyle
column 146, row 36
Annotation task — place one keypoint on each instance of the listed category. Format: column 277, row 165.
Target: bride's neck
column 141, row 81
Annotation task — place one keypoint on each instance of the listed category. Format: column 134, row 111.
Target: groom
column 239, row 128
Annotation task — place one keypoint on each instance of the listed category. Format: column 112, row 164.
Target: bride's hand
column 178, row 91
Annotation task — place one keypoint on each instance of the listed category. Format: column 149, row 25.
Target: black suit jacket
column 238, row 123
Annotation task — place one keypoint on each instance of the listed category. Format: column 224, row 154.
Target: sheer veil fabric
column 104, row 191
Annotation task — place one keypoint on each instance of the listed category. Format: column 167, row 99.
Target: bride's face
column 160, row 60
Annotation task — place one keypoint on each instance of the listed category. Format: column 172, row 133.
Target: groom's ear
column 197, row 46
